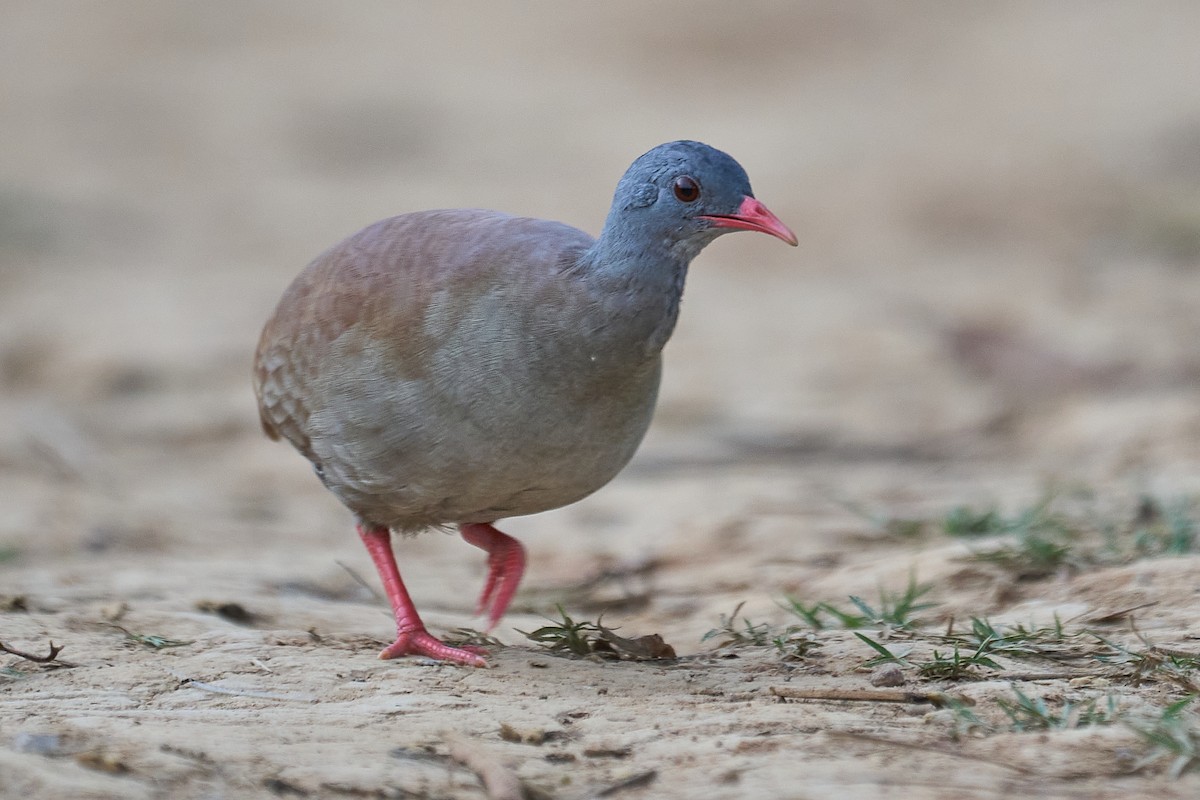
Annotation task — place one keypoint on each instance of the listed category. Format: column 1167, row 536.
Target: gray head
column 679, row 197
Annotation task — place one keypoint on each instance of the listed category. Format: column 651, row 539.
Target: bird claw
column 421, row 643
column 506, row 565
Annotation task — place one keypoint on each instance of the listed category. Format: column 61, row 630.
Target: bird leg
column 506, row 565
column 411, row 637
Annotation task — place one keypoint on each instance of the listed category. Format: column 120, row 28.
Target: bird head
column 684, row 194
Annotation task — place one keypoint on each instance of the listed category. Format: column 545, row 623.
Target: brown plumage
column 399, row 362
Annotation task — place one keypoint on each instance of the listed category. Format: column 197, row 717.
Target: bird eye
column 686, row 189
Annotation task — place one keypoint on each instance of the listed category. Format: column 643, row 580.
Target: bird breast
column 495, row 428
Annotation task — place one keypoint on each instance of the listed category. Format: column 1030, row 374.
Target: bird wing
column 403, row 281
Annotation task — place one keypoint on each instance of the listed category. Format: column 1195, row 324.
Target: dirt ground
column 995, row 295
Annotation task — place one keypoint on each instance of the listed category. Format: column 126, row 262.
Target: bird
column 457, row 367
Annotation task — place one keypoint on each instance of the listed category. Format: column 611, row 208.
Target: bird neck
column 639, row 284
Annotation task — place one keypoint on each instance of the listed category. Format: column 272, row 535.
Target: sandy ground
column 996, row 292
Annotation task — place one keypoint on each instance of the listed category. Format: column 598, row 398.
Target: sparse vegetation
column 1057, row 533
column 1164, row 527
column 968, row 522
column 1025, row 713
column 746, row 634
column 1034, row 714
column 966, row 721
column 1032, row 556
column 586, row 638
column 1174, row 734
column 1152, row 664
column 459, row 637
column 1041, row 537
column 154, row 641
column 794, row 644
column 791, row 642
column 1052, row 643
column 956, row 665
column 883, row 654
column 1062, row 530
column 894, row 610
column 566, row 635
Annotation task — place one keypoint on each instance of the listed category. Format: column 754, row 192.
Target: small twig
column 1182, row 681
column 1117, row 616
column 1174, row 653
column 1051, row 676
column 633, row 782
column 150, row 640
column 46, row 659
column 935, row 699
column 938, row 747
column 209, row 687
column 500, row 782
column 360, row 581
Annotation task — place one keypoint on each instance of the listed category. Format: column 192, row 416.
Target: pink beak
column 754, row 216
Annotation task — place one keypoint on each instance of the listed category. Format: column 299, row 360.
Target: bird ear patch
column 645, row 194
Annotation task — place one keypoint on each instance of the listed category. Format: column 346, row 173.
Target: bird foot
column 506, row 565
column 421, row 643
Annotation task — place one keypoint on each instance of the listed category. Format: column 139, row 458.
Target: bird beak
column 753, row 216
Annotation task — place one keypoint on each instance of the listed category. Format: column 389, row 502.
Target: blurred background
column 995, row 293
column 998, row 275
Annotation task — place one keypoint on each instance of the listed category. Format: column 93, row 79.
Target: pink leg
column 411, row 637
column 506, row 565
